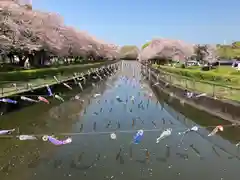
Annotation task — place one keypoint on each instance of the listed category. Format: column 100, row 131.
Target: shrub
column 183, row 66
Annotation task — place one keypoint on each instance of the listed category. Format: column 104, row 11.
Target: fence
column 210, row 88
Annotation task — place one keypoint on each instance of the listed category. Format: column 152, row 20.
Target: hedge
column 224, row 79
column 24, row 75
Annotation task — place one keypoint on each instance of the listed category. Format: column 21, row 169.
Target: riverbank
column 34, row 79
column 81, row 80
column 224, row 109
column 20, row 75
column 216, row 83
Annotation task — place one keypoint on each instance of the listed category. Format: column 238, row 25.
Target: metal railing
column 213, row 89
column 15, row 87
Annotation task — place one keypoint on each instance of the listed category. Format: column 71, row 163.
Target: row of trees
column 162, row 50
column 229, row 51
column 35, row 36
column 129, row 52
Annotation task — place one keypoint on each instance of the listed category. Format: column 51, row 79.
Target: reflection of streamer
column 81, row 127
column 193, row 129
column 215, row 151
column 56, row 79
column 130, row 152
column 118, row 99
column 196, row 151
column 182, row 155
column 132, row 98
column 118, row 154
column 154, row 124
column 80, row 85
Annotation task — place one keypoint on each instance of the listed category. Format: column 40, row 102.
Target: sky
column 134, row 22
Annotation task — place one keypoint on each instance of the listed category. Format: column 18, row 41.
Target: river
column 93, row 155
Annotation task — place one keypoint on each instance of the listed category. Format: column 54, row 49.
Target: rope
column 109, row 132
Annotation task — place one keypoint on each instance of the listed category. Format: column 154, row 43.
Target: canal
column 120, row 106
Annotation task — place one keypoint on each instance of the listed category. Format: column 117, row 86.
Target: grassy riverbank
column 39, row 77
column 224, row 75
column 24, row 75
column 223, row 82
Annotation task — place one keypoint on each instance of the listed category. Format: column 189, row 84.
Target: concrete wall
column 224, row 109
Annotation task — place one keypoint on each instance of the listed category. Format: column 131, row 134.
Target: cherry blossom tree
column 37, row 35
column 162, row 49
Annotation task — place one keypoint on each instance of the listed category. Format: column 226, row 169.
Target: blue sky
column 136, row 21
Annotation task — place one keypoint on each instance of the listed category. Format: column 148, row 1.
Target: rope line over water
column 116, row 131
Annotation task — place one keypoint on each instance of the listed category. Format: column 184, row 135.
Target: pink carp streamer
column 40, row 98
column 56, row 141
column 215, row 130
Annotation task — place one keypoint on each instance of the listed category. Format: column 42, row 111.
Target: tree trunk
column 22, row 60
column 11, row 58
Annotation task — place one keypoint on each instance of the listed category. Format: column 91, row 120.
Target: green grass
column 44, row 72
column 6, row 89
column 189, row 79
column 228, row 52
column 223, row 75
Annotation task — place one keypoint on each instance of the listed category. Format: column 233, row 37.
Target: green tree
column 146, row 45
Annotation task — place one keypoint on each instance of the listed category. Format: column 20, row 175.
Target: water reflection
column 102, row 128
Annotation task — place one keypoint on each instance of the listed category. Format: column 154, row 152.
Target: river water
column 94, row 155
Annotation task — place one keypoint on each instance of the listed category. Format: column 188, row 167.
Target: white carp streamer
column 164, row 134
column 113, row 136
column 26, row 137
column 58, row 97
column 6, row 131
column 67, row 86
column 27, row 99
column 56, row 79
